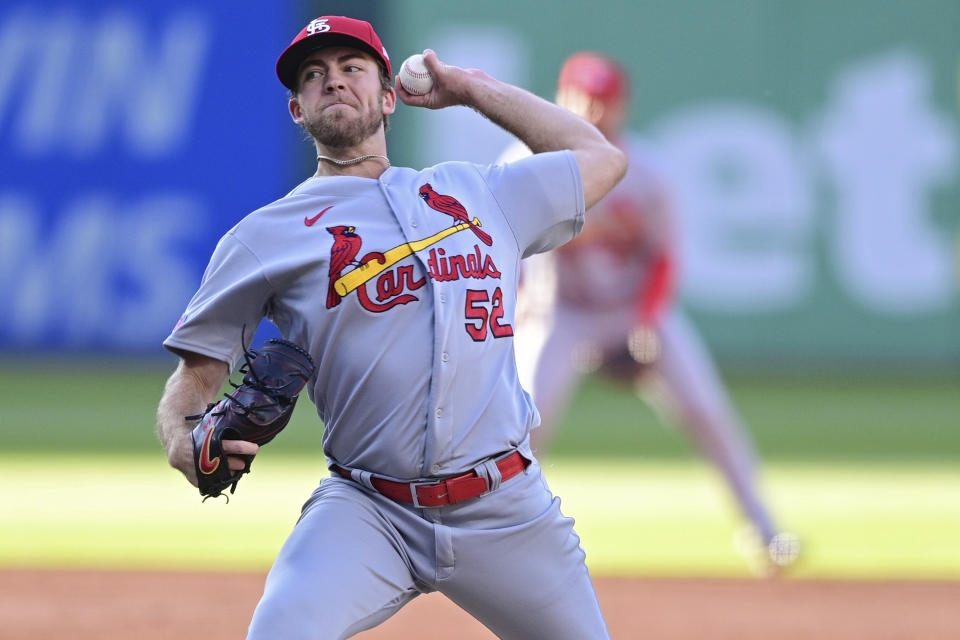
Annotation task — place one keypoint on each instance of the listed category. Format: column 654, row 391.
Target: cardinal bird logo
column 452, row 207
column 343, row 253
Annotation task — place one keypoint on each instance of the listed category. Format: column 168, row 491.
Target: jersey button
column 443, row 297
column 445, row 357
column 414, row 224
column 436, row 468
column 439, row 413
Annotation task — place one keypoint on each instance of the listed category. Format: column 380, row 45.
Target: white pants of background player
column 683, row 385
column 510, row 558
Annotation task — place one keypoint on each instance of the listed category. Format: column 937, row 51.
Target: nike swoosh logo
column 208, row 466
column 312, row 221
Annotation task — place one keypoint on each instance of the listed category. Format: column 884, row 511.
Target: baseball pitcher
column 395, row 290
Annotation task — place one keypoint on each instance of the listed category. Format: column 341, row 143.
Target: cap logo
column 318, row 26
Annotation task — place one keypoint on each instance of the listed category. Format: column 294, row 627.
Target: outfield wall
column 814, row 147
column 132, row 135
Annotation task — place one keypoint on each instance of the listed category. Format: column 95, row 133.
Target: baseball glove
column 635, row 358
column 256, row 411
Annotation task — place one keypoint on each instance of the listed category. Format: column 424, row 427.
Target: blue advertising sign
column 132, row 136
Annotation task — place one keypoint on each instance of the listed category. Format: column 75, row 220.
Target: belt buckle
column 416, row 498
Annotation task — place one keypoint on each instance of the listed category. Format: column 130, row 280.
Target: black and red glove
column 256, row 411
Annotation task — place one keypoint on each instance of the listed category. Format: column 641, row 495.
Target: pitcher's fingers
column 236, row 463
column 240, row 447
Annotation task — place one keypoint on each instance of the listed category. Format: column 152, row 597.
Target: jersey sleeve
column 541, row 197
column 228, row 306
column 515, row 151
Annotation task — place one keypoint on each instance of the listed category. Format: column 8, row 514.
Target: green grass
column 832, row 418
column 865, row 470
column 103, row 407
column 859, row 522
column 109, row 406
column 654, row 519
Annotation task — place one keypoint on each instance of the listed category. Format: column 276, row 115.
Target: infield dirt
column 109, row 605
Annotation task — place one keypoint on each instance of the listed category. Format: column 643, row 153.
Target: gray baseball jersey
column 404, row 291
column 384, row 281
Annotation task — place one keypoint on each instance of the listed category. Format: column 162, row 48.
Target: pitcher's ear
column 295, row 111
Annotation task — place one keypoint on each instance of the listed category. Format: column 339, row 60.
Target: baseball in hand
column 414, row 75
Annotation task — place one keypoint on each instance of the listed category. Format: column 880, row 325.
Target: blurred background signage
column 815, row 155
column 132, row 135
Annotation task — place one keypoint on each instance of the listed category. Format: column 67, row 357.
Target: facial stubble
column 339, row 131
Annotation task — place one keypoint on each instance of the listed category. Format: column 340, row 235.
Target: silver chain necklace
column 347, row 163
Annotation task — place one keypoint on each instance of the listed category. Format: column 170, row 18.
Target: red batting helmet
column 595, row 75
column 328, row 31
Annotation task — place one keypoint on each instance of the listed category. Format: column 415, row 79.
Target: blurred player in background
column 606, row 301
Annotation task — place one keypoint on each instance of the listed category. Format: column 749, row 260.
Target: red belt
column 442, row 492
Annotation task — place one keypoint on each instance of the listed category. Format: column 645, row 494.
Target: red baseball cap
column 328, row 31
column 594, row 74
